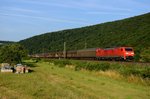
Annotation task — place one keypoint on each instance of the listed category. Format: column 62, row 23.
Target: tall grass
column 49, row 81
column 133, row 73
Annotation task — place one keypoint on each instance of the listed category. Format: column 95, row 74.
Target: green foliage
column 92, row 66
column 137, row 54
column 12, row 53
column 124, row 69
column 134, row 70
column 80, row 65
column 36, row 60
column 145, row 54
column 146, row 73
column 6, row 42
column 61, row 63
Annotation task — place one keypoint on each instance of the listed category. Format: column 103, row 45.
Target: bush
column 92, row 66
column 145, row 55
column 124, row 69
column 61, row 63
column 104, row 66
column 143, row 72
column 80, row 65
column 116, row 66
column 130, row 71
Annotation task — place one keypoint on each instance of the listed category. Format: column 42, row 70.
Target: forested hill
column 134, row 31
column 6, row 42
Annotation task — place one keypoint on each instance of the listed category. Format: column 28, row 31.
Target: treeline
column 6, row 42
column 133, row 32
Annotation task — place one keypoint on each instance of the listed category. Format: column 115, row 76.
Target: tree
column 12, row 53
column 145, row 54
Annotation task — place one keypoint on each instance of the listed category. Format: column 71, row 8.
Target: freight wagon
column 82, row 54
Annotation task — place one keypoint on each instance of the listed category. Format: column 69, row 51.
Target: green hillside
column 134, row 31
column 6, row 42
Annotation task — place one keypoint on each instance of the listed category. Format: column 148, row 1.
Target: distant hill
column 6, row 42
column 134, row 31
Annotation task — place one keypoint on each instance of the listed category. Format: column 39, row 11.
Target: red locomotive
column 117, row 53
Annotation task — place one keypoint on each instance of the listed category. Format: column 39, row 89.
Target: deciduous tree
column 12, row 53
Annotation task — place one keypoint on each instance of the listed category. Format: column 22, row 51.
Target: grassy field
column 51, row 82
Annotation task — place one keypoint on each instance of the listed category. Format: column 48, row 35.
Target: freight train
column 117, row 53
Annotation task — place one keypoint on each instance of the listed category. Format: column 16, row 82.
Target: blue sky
column 20, row 19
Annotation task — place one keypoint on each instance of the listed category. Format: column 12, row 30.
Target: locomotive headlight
column 132, row 53
column 127, row 53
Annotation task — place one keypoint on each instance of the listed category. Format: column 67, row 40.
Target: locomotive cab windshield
column 128, row 49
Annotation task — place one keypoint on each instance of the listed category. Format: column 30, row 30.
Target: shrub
column 92, row 66
column 124, row 69
column 104, row 66
column 145, row 55
column 61, row 63
column 145, row 73
column 80, row 65
column 116, row 66
column 130, row 71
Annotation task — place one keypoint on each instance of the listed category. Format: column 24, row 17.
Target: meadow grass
column 48, row 81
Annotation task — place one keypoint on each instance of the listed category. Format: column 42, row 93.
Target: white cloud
column 46, row 18
column 17, row 9
column 77, row 4
column 105, row 13
column 23, row 10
